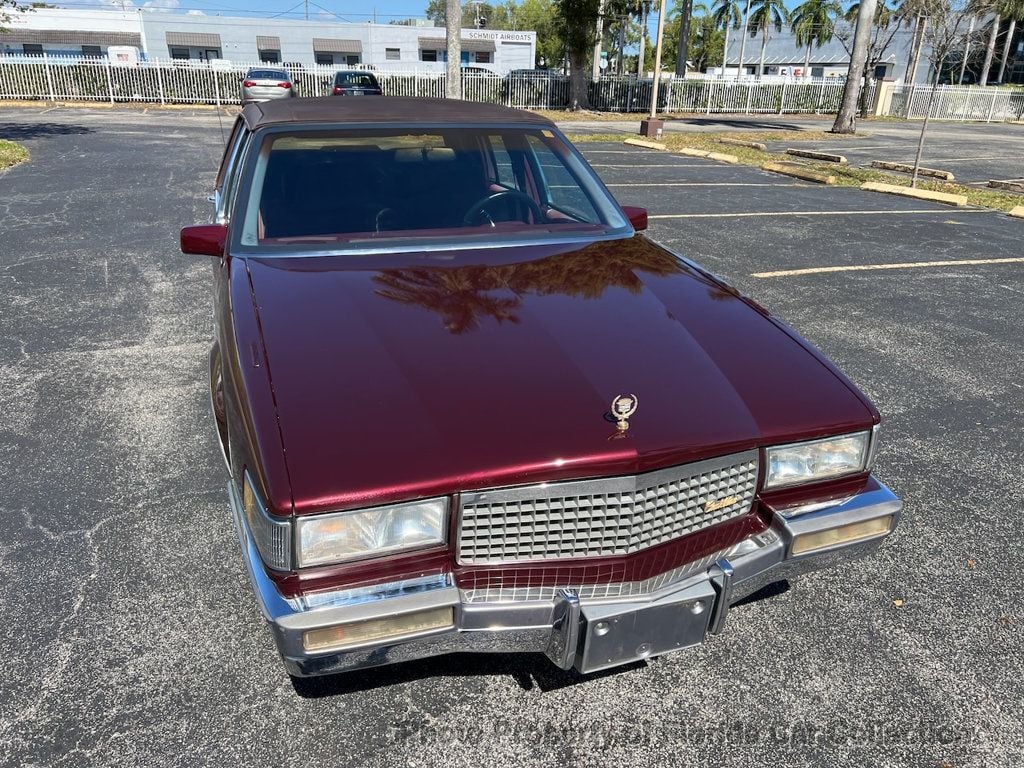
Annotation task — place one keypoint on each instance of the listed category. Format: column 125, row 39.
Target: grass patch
column 11, row 154
column 848, row 176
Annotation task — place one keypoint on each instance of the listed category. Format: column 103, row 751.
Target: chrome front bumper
column 586, row 634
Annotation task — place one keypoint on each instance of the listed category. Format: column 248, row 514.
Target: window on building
column 324, row 58
column 817, row 71
column 351, row 59
column 32, row 49
column 92, row 51
column 484, row 57
column 270, row 56
column 179, row 53
column 426, row 55
column 392, row 54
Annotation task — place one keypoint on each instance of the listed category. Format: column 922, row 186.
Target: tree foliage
column 7, row 7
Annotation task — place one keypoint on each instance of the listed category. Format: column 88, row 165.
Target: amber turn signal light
column 357, row 633
column 844, row 534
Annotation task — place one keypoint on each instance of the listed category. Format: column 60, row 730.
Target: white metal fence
column 958, row 102
column 50, row 78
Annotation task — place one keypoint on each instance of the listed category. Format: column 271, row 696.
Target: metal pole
column 160, row 80
column 49, row 76
column 657, row 61
column 110, row 82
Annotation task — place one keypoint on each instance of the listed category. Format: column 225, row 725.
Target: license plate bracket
column 620, row 633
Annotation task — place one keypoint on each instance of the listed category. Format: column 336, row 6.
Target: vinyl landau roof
column 399, row 110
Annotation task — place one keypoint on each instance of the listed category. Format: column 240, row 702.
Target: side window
column 560, row 189
column 232, row 168
column 236, row 132
column 504, row 174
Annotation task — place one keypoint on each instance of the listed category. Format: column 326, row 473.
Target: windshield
column 266, row 74
column 354, row 187
column 359, row 79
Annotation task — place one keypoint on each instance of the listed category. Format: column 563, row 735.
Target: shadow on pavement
column 750, row 124
column 530, row 671
column 20, row 132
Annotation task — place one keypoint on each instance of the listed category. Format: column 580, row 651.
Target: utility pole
column 307, row 10
column 595, row 70
column 453, row 35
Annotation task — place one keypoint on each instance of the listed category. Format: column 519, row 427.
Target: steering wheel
column 481, row 205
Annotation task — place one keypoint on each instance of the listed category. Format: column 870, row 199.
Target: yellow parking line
column 903, row 265
column 804, row 213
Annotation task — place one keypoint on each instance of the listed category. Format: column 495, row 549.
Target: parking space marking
column 745, row 214
column 903, row 265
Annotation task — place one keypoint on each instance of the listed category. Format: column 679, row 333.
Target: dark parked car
column 467, row 406
column 266, row 84
column 356, row 82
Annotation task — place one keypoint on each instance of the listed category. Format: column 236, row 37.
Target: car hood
column 419, row 375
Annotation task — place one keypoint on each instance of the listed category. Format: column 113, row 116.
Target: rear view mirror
column 637, row 216
column 204, row 239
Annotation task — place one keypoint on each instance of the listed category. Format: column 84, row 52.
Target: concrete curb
column 1011, row 185
column 1018, row 212
column 904, row 168
column 646, row 144
column 787, row 169
column 719, row 156
column 828, row 157
column 921, row 194
column 742, row 143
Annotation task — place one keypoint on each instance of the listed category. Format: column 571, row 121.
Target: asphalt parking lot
column 130, row 636
column 973, row 152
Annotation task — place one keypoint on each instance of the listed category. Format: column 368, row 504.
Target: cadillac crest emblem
column 623, row 407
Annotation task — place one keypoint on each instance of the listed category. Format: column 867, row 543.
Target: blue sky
column 339, row 10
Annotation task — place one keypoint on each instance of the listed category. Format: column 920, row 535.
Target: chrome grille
column 491, row 589
column 609, row 516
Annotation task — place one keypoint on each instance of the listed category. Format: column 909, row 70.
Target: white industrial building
column 89, row 33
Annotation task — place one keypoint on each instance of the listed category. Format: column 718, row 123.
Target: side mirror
column 637, row 216
column 204, row 239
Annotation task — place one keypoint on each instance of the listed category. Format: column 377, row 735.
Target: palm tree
column 766, row 14
column 814, row 23
column 1014, row 11
column 726, row 15
column 993, row 7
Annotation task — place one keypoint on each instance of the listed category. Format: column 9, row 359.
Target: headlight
column 351, row 535
column 817, row 460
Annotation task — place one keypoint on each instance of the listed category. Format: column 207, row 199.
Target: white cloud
column 164, row 6
column 195, row 12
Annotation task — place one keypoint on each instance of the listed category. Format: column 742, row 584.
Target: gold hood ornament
column 623, row 407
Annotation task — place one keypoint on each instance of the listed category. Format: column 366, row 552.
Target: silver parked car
column 265, row 84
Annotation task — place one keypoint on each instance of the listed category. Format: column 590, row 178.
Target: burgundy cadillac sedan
column 466, row 406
